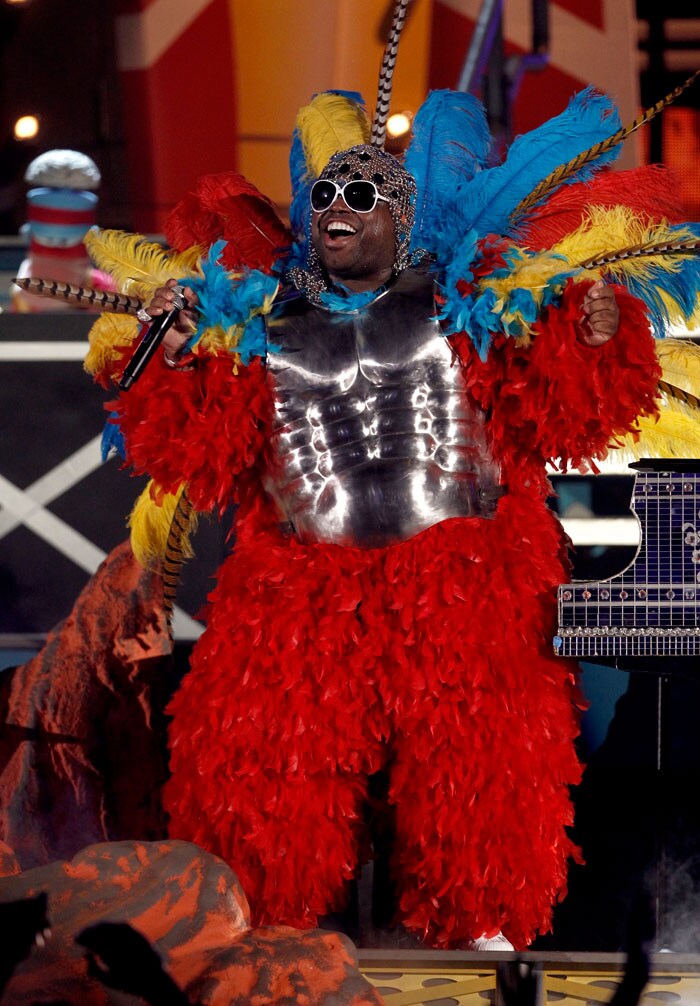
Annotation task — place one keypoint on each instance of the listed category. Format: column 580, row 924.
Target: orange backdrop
column 214, row 85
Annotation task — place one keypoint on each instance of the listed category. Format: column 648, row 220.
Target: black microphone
column 151, row 340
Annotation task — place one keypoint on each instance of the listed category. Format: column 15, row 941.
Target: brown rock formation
column 8, row 861
column 192, row 909
column 82, row 754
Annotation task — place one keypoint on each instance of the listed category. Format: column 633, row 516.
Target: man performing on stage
column 379, row 399
column 390, row 599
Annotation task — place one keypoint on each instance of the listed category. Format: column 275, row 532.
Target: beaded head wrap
column 393, row 182
column 367, row 161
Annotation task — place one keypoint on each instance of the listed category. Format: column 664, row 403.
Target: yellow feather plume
column 108, row 336
column 151, row 521
column 138, row 266
column 608, row 228
column 680, row 363
column 329, row 123
column 676, row 432
column 673, row 435
column 603, row 229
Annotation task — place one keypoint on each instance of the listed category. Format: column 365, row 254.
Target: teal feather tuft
column 450, row 144
column 486, row 202
column 231, row 304
column 112, row 441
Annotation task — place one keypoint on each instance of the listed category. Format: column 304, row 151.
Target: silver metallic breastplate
column 373, row 436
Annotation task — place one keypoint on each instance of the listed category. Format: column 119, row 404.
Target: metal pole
column 480, row 46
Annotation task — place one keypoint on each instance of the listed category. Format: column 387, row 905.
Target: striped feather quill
column 676, row 431
column 177, row 550
column 161, row 526
column 386, row 75
column 657, row 261
column 601, row 149
column 690, row 247
column 83, row 296
column 680, row 365
column 679, row 395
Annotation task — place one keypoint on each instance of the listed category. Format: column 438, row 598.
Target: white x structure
column 28, row 506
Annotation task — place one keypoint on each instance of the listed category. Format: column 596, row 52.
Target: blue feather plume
column 450, row 144
column 486, row 202
column 301, row 187
column 112, row 441
column 302, row 179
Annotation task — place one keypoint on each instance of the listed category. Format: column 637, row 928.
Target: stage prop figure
column 62, row 206
column 379, row 398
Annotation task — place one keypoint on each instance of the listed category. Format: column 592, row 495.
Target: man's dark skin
column 360, row 261
column 363, row 259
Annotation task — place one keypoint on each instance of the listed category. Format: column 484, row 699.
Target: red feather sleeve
column 203, row 426
column 559, row 399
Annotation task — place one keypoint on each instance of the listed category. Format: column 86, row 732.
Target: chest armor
column 373, row 437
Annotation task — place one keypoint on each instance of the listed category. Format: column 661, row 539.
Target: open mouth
column 338, row 230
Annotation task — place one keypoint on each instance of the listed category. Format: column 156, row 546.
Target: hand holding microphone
column 167, row 320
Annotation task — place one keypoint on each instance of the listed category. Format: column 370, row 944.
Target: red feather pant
column 321, row 665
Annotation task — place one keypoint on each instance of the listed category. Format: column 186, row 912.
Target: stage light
column 17, row 3
column 399, row 124
column 26, row 127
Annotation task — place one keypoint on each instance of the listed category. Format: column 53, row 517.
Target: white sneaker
column 484, row 942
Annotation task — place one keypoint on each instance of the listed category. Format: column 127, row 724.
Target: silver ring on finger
column 143, row 316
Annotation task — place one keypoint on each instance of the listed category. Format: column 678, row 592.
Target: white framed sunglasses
column 360, row 195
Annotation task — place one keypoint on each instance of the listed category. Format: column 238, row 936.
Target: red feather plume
column 650, row 191
column 228, row 207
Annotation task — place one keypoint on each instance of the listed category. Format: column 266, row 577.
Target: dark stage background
column 53, row 420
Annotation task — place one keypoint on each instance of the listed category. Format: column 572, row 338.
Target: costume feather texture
column 178, row 548
column 351, row 129
column 138, row 266
column 109, row 336
column 386, row 74
column 675, row 431
column 81, row 296
column 329, row 123
column 450, row 143
column 680, row 365
column 112, row 441
column 486, row 203
column 675, row 434
column 648, row 190
column 512, row 289
column 228, row 207
column 301, row 186
column 652, row 249
column 150, row 523
column 231, row 307
column 646, row 257
column 602, row 149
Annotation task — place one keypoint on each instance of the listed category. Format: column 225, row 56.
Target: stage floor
column 456, row 978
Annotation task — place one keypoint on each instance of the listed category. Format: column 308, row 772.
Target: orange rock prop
column 82, row 749
column 191, row 908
